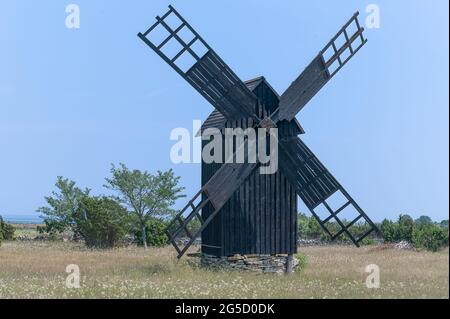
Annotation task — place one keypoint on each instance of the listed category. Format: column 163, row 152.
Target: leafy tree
column 101, row 221
column 423, row 220
column 146, row 195
column 6, row 230
column 389, row 230
column 62, row 205
column 444, row 224
column 405, row 228
column 302, row 222
column 155, row 231
column 430, row 236
column 309, row 227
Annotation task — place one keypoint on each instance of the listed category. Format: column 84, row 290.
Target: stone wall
column 254, row 263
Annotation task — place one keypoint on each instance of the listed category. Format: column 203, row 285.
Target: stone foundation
column 255, row 263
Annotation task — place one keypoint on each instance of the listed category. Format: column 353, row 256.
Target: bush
column 423, row 220
column 61, row 207
column 389, row 230
column 309, row 227
column 430, row 236
column 367, row 241
column 154, row 229
column 302, row 262
column 52, row 228
column 101, row 222
column 6, row 230
column 405, row 228
column 423, row 233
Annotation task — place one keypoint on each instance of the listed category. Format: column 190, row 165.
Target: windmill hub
column 242, row 212
column 267, row 123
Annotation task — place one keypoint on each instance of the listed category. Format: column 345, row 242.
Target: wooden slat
column 284, row 211
column 303, row 89
column 294, row 229
column 317, row 74
column 224, row 90
column 258, row 210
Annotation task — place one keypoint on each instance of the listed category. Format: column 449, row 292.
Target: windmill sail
column 199, row 65
column 217, row 191
column 328, row 62
column 315, row 185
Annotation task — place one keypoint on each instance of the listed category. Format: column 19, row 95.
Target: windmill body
column 240, row 210
column 261, row 216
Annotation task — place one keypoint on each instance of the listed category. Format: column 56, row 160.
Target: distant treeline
column 141, row 203
column 422, row 232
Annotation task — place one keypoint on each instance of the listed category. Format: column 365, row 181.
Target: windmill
column 241, row 211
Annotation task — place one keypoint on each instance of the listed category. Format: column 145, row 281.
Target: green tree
column 389, row 230
column 62, row 205
column 423, row 220
column 155, row 231
column 101, row 221
column 146, row 195
column 302, row 225
column 308, row 227
column 430, row 236
column 405, row 228
column 6, row 230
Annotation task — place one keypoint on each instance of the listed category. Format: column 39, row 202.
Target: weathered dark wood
column 303, row 89
column 210, row 75
column 318, row 72
column 315, row 184
column 258, row 205
column 243, row 211
column 251, row 219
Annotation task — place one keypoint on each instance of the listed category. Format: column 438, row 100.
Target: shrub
column 401, row 230
column 309, row 227
column 423, row 220
column 389, row 230
column 154, row 229
column 430, row 236
column 101, row 222
column 367, row 241
column 6, row 230
column 405, row 228
column 52, row 227
column 302, row 262
column 61, row 207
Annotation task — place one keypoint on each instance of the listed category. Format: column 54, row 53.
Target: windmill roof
column 217, row 120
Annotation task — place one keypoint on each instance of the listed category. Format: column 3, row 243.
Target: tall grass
column 37, row 270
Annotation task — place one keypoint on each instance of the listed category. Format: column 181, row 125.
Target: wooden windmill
column 240, row 210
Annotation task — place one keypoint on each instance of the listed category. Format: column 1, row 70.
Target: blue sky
column 74, row 101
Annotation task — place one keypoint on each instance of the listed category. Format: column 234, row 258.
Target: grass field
column 37, row 270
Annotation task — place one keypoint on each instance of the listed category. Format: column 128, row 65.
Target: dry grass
column 37, row 270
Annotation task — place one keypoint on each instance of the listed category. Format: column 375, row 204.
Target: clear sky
column 74, row 101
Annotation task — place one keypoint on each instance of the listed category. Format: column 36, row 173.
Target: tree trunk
column 144, row 235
